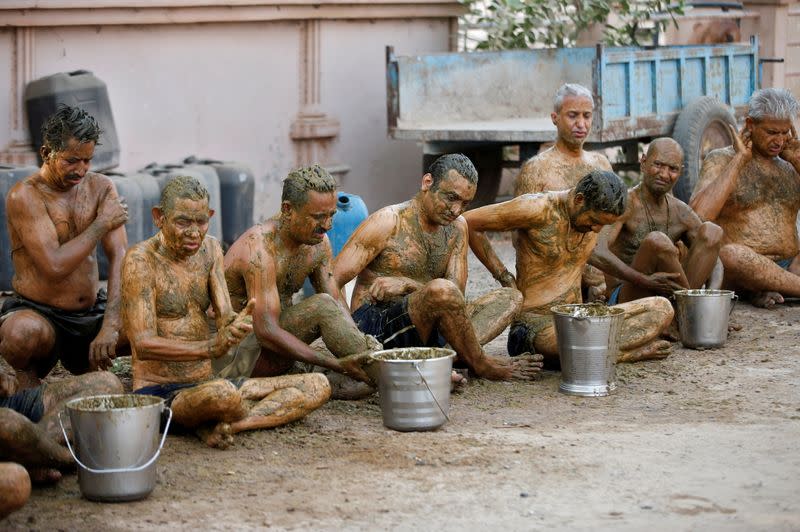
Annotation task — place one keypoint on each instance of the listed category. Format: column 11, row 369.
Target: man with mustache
column 752, row 191
column 565, row 163
column 169, row 283
column 56, row 217
column 269, row 263
column 659, row 244
column 554, row 235
column 411, row 263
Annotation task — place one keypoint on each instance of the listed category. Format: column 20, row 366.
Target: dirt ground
column 704, row 440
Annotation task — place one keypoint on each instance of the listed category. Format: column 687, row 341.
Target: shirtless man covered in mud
column 411, row 263
column 56, row 217
column 269, row 264
column 659, row 244
column 31, row 443
column 555, row 233
column 563, row 165
column 752, row 190
column 169, row 282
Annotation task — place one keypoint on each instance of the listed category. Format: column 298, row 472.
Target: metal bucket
column 703, row 317
column 414, row 386
column 117, row 444
column 588, row 346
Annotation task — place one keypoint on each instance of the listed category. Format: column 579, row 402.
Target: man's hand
column 507, row 280
column 742, row 143
column 791, row 150
column 524, row 367
column 352, row 366
column 112, row 213
column 8, row 382
column 102, row 350
column 234, row 332
column 662, row 283
column 384, row 288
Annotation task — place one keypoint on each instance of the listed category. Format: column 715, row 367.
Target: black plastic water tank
column 10, row 175
column 81, row 89
column 237, row 189
column 132, row 192
column 151, row 195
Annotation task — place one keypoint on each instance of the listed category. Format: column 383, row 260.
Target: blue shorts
column 614, row 297
column 784, row 263
column 27, row 402
column 170, row 391
column 392, row 326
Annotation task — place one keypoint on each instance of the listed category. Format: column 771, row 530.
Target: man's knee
column 26, row 336
column 660, row 305
column 323, row 302
column 15, row 487
column 102, row 382
column 709, row 235
column 512, row 295
column 443, row 294
column 657, row 242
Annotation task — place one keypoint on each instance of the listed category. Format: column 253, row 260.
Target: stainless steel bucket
column 414, row 386
column 116, row 444
column 703, row 317
column 588, row 346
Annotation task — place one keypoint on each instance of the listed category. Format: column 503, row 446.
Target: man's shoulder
column 598, row 160
column 720, row 154
column 540, row 158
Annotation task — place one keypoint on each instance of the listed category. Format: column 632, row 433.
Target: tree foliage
column 510, row 24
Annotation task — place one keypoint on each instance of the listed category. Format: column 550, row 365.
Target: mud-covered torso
column 550, row 258
column 70, row 213
column 553, row 170
column 762, row 210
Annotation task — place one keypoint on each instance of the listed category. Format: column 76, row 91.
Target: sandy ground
column 705, row 440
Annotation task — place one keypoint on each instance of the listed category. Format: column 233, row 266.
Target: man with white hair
column 752, row 190
column 561, row 166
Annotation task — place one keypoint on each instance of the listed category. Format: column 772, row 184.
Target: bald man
column 659, row 244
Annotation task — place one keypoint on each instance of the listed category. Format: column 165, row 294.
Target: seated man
column 169, row 282
column 31, row 443
column 565, row 163
column 752, row 190
column 269, row 263
column 56, row 217
column 411, row 262
column 555, row 233
column 644, row 253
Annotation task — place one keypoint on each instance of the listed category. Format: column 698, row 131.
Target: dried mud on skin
column 700, row 440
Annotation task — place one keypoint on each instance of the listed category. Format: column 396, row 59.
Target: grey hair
column 773, row 103
column 570, row 89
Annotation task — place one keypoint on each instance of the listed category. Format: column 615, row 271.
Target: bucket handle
column 416, row 367
column 734, row 298
column 122, row 469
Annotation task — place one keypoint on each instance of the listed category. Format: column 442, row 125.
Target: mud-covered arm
column 323, row 280
column 28, row 217
column 530, row 179
column 457, row 268
column 218, row 288
column 603, row 258
column 140, row 318
column 366, row 243
column 718, row 179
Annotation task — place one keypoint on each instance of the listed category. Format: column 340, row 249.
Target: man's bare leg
column 491, row 313
column 656, row 253
column 703, row 254
column 210, row 408
column 29, row 444
column 57, row 394
column 15, row 487
column 26, row 340
column 440, row 304
column 749, row 271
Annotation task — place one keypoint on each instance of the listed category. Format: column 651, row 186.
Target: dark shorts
column 522, row 337
column 74, row 331
column 784, row 263
column 170, row 391
column 392, row 326
column 27, row 402
column 614, row 298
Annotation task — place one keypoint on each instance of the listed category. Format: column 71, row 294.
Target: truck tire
column 488, row 161
column 701, row 127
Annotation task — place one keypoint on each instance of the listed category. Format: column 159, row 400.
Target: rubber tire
column 691, row 125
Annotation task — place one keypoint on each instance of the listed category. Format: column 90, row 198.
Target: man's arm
column 103, row 348
column 140, row 319
column 457, row 266
column 28, row 216
column 791, row 151
column 323, row 280
column 719, row 176
column 218, row 288
column 530, row 180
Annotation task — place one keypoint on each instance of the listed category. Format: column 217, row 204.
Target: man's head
column 600, row 198
column 69, row 138
column 448, row 187
column 308, row 203
column 182, row 215
column 769, row 120
column 662, row 165
column 573, row 105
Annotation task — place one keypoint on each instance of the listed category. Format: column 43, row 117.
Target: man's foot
column 218, row 436
column 734, row 327
column 766, row 299
column 44, row 475
column 671, row 333
column 655, row 350
column 458, row 380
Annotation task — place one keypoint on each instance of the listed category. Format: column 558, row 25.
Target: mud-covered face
column 308, row 223
column 449, row 199
column 574, row 120
column 592, row 220
column 769, row 135
column 67, row 167
column 184, row 226
column 661, row 169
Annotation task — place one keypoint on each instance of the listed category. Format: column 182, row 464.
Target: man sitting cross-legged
column 645, row 253
column 411, row 263
column 269, row 263
column 169, row 282
column 554, row 235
